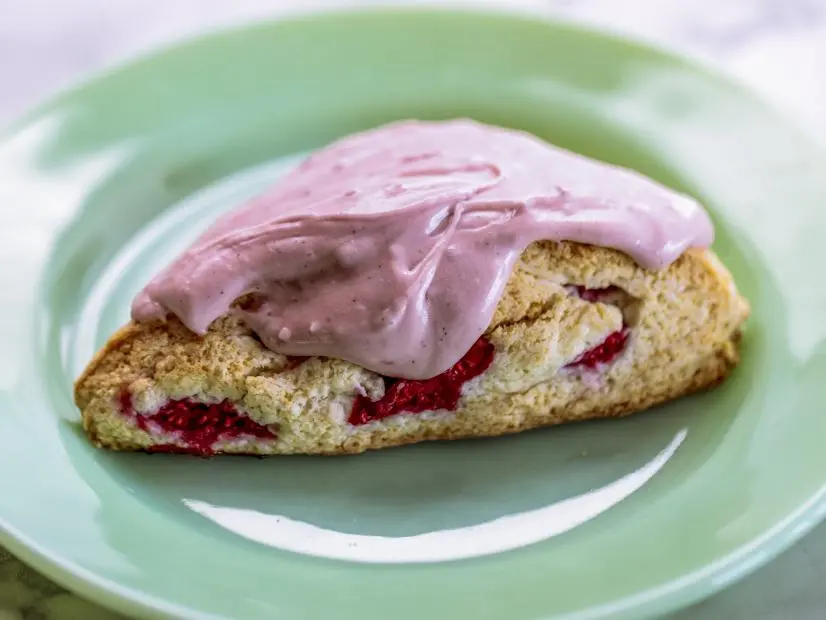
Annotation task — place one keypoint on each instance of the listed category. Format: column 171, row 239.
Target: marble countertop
column 777, row 47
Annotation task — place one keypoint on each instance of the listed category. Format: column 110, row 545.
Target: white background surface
column 778, row 47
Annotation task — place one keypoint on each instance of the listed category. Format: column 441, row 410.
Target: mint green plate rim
column 801, row 516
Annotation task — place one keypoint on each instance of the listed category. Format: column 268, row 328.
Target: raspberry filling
column 595, row 295
column 604, row 353
column 440, row 392
column 608, row 350
column 197, row 425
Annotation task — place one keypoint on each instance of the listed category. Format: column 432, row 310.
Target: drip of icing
column 391, row 248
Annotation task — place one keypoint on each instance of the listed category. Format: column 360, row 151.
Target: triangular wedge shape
column 581, row 332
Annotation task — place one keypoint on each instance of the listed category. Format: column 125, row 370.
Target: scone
column 227, row 353
column 581, row 332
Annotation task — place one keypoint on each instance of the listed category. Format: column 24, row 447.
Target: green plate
column 627, row 518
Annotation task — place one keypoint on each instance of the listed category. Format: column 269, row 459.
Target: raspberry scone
column 420, row 281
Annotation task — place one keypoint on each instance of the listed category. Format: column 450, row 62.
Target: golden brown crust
column 684, row 321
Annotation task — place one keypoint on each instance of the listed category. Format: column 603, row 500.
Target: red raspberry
column 200, row 424
column 440, row 392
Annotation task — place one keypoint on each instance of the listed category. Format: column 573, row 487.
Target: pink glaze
column 391, row 248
